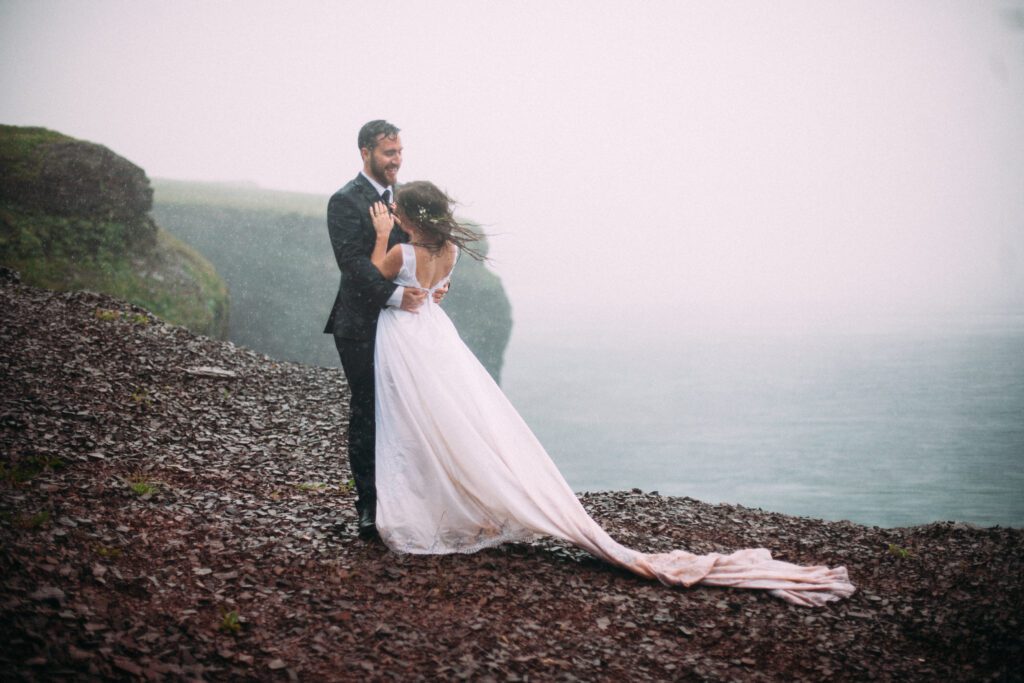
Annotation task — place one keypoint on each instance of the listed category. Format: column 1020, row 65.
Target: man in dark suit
column 362, row 293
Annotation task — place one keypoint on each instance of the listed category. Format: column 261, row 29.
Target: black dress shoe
column 367, row 526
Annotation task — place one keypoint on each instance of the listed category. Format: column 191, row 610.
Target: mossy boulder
column 75, row 215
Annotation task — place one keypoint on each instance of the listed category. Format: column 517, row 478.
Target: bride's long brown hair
column 426, row 205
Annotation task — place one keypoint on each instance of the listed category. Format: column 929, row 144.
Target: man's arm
column 441, row 291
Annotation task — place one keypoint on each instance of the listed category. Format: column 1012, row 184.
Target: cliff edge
column 273, row 250
column 75, row 215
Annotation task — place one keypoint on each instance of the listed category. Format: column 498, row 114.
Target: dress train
column 459, row 470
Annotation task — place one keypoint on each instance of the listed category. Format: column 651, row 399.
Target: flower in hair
column 424, row 216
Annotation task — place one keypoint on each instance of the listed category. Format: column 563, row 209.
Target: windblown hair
column 430, row 209
column 370, row 133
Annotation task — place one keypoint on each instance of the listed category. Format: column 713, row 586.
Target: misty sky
column 656, row 163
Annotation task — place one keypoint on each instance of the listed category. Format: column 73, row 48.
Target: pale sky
column 654, row 164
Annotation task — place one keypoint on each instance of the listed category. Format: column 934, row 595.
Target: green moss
column 20, row 151
column 19, row 141
column 29, row 233
column 174, row 282
column 900, row 552
column 25, row 521
column 230, row 621
column 171, row 280
column 108, row 552
column 21, row 469
column 142, row 487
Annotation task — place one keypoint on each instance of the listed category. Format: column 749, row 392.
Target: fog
column 654, row 166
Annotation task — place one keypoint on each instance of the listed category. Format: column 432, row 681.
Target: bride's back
column 432, row 268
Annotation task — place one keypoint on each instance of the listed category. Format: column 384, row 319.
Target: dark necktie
column 386, row 198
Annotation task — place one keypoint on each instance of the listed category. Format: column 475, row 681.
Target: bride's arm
column 387, row 261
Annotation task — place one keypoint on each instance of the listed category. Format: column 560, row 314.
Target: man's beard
column 379, row 174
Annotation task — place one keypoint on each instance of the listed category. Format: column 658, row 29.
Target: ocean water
column 887, row 428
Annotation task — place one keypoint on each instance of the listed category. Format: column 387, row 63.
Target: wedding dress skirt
column 458, row 470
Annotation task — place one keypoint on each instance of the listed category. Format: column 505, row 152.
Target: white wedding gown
column 458, row 469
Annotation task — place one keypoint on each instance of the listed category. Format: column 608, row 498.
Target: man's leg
column 357, row 361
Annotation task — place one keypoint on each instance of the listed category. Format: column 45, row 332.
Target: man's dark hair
column 369, row 134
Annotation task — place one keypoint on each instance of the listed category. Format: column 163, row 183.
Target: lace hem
column 450, row 548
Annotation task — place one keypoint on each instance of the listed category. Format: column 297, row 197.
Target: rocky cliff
column 75, row 215
column 273, row 250
column 56, row 175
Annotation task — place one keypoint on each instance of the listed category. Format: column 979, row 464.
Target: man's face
column 383, row 162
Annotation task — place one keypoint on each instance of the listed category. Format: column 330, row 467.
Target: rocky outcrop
column 75, row 215
column 50, row 173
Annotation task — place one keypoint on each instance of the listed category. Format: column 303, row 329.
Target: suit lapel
column 370, row 194
column 368, row 190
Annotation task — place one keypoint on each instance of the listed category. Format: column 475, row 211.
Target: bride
column 458, row 469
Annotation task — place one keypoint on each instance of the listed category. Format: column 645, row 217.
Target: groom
column 362, row 293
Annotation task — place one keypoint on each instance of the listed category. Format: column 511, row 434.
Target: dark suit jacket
column 363, row 291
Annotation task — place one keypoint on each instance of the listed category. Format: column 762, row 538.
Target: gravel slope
column 160, row 521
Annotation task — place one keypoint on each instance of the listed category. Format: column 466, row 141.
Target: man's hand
column 441, row 291
column 412, row 299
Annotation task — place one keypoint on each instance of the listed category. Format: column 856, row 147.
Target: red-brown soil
column 146, row 503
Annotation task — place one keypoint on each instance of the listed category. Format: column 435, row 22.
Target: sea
column 892, row 427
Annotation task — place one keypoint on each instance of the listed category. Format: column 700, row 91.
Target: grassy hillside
column 74, row 215
column 272, row 249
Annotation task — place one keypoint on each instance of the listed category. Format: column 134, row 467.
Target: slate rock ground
column 163, row 523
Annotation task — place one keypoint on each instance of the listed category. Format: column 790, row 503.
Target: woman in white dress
column 458, row 469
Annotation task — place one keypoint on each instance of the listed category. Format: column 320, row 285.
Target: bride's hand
column 383, row 221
